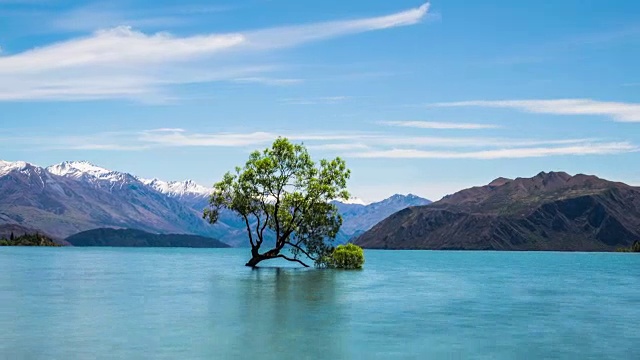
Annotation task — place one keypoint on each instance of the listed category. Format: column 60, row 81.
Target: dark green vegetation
column 27, row 240
column 634, row 248
column 283, row 190
column 139, row 238
column 347, row 256
column 550, row 211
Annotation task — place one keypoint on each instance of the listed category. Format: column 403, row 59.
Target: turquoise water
column 101, row 303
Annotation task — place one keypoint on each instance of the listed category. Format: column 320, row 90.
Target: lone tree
column 281, row 189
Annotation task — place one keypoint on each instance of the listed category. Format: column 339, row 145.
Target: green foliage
column 349, row 256
column 28, row 240
column 634, row 248
column 283, row 191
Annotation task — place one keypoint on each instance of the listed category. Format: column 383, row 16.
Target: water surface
column 108, row 303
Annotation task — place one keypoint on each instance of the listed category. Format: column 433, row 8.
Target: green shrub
column 347, row 256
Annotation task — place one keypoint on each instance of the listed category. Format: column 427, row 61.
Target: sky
column 422, row 98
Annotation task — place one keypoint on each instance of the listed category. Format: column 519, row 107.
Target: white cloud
column 618, row 111
column 468, row 142
column 118, row 47
column 512, row 153
column 295, row 35
column 125, row 63
column 179, row 138
column 439, row 125
column 354, row 145
column 338, row 146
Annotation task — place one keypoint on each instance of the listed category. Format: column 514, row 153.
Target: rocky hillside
column 72, row 197
column 550, row 211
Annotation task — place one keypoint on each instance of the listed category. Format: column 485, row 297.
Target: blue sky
column 427, row 98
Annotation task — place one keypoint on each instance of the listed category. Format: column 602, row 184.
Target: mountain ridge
column 549, row 211
column 75, row 196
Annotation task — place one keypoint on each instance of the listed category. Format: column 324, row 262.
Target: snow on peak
column 7, row 166
column 354, row 201
column 85, row 169
column 177, row 188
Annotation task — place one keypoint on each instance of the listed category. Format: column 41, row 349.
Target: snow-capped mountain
column 90, row 173
column 359, row 218
column 178, row 188
column 75, row 196
column 67, row 198
column 7, row 167
column 354, row 201
column 188, row 192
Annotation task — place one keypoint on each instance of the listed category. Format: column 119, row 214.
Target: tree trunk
column 256, row 257
column 253, row 262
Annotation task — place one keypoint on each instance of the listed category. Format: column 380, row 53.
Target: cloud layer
column 439, row 125
column 353, row 145
column 124, row 63
column 618, row 111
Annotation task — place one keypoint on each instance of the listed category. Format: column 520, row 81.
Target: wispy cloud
column 355, row 145
column 288, row 36
column 618, row 111
column 513, row 153
column 439, row 125
column 125, row 63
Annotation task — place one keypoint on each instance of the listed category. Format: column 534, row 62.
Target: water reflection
column 279, row 313
column 204, row 304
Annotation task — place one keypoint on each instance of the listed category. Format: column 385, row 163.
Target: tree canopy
column 281, row 190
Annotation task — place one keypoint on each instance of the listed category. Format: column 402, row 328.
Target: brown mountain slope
column 550, row 211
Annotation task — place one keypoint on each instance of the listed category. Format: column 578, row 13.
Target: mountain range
column 550, row 211
column 75, row 196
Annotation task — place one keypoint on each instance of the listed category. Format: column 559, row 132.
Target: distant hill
column 139, row 238
column 358, row 218
column 550, row 211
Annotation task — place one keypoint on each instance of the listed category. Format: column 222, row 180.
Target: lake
column 117, row 303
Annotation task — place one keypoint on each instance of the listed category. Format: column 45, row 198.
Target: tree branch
column 246, row 221
column 301, row 249
column 290, row 259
